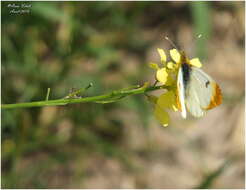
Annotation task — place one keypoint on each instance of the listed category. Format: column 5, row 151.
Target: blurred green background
column 66, row 45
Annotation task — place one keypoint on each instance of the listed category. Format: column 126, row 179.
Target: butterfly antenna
column 171, row 42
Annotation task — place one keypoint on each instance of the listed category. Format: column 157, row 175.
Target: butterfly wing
column 202, row 93
column 181, row 93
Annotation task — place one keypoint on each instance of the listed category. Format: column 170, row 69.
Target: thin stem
column 48, row 94
column 65, row 101
column 156, row 81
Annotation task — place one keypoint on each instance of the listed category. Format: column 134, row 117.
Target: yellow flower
column 164, row 74
column 176, row 56
column 162, row 55
column 167, row 75
column 164, row 102
column 196, row 62
column 160, row 112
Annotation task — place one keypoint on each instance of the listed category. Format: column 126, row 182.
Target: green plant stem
column 64, row 101
column 48, row 94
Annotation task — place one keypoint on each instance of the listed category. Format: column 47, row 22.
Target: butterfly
column 197, row 92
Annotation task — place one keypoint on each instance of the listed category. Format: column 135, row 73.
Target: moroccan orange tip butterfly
column 197, row 92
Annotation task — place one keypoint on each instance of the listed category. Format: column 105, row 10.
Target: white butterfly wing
column 181, row 93
column 199, row 92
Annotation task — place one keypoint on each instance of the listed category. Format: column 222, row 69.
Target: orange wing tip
column 216, row 97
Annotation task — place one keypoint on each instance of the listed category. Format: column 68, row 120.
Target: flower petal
column 196, row 62
column 162, row 55
column 171, row 65
column 153, row 66
column 175, row 55
column 161, row 75
column 167, row 100
column 170, row 81
column 161, row 115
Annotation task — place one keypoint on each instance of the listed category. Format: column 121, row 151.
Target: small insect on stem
column 75, row 93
